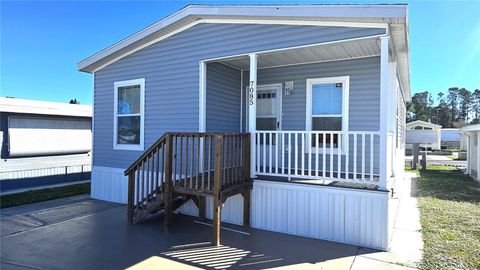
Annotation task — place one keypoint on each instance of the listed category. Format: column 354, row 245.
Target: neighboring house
column 453, row 137
column 39, row 128
column 312, row 98
column 473, row 150
column 424, row 131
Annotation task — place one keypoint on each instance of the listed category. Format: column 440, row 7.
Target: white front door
column 269, row 118
column 269, row 107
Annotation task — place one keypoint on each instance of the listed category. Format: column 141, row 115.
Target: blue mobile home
column 305, row 103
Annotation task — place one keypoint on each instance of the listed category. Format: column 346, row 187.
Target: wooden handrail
column 145, row 154
column 189, row 163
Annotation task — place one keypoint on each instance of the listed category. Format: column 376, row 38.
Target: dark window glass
column 327, row 123
column 128, row 130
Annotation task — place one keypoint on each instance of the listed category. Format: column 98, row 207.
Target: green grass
column 449, row 203
column 43, row 195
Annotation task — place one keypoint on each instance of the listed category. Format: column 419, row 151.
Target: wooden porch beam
column 246, row 208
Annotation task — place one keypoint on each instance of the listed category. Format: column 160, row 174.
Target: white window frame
column 345, row 80
column 116, row 145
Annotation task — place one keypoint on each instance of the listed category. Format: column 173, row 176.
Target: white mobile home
column 288, row 118
column 473, row 150
column 424, row 131
column 454, row 137
column 38, row 128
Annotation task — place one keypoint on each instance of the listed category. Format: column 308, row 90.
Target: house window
column 129, row 114
column 327, row 108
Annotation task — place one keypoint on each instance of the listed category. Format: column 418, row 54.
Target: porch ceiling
column 318, row 53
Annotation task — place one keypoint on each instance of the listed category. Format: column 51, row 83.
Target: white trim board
column 202, row 93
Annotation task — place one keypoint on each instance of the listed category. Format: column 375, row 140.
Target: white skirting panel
column 109, row 184
column 232, row 209
column 337, row 214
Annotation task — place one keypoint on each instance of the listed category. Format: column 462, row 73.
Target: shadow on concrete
column 101, row 239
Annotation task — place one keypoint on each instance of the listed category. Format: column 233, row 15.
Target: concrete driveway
column 80, row 233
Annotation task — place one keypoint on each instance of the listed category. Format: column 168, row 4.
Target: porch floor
column 89, row 234
column 330, row 180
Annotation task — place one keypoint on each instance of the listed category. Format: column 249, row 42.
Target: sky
column 41, row 42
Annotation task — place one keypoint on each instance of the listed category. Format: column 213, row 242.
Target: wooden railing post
column 168, row 183
column 131, row 178
column 246, row 157
column 217, row 184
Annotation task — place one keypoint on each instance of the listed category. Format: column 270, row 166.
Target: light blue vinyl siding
column 223, row 98
column 171, row 71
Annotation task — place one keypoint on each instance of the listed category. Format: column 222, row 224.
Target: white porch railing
column 351, row 156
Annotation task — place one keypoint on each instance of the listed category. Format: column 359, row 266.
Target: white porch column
column 469, row 152
column 477, row 151
column 252, row 111
column 383, row 111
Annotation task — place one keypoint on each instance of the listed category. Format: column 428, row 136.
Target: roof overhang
column 422, row 123
column 471, row 128
column 392, row 17
column 323, row 52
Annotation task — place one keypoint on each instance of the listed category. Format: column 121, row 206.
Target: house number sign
column 250, row 93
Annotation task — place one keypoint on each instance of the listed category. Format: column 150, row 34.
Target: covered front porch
column 314, row 112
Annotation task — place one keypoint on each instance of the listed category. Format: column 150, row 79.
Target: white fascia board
column 314, row 11
column 309, row 12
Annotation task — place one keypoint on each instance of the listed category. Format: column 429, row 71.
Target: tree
column 452, row 99
column 442, row 111
column 465, row 99
column 475, row 105
column 421, row 106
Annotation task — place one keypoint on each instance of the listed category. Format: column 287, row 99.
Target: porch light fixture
column 287, row 88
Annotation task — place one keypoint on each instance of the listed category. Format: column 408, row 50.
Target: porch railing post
column 131, row 178
column 252, row 111
column 168, row 183
column 217, row 184
column 246, row 157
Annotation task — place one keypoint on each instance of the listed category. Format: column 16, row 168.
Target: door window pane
column 128, row 130
column 266, row 103
column 128, row 99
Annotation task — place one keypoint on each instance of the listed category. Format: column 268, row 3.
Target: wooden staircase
column 183, row 166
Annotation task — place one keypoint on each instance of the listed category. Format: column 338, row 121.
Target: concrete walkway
column 80, row 233
column 406, row 243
